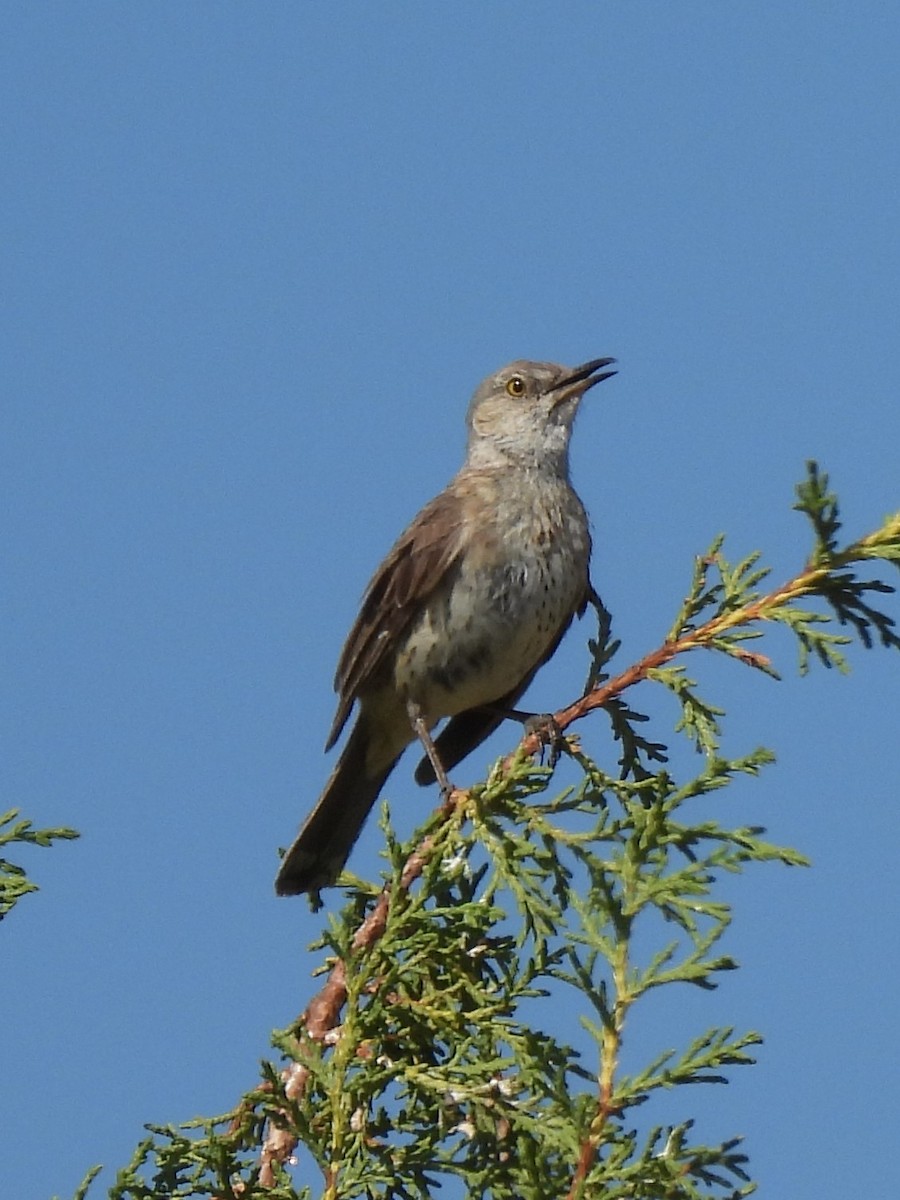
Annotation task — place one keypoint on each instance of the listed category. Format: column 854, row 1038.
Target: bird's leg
column 422, row 732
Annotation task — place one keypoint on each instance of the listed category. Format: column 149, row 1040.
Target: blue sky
column 256, row 258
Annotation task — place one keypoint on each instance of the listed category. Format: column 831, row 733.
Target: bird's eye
column 516, row 386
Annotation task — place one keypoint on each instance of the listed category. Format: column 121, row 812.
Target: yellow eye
column 516, row 386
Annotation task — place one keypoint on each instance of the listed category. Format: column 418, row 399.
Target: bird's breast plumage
column 500, row 609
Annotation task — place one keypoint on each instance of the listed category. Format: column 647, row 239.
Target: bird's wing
column 415, row 567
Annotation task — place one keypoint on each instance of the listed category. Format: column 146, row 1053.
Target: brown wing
column 414, row 568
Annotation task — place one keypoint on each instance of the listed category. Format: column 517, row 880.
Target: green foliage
column 14, row 883
column 845, row 594
column 83, row 1188
column 435, row 1052
column 447, row 1062
column 199, row 1158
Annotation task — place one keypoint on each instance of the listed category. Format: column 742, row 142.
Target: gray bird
column 473, row 598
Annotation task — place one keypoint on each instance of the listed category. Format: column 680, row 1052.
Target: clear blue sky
column 255, row 258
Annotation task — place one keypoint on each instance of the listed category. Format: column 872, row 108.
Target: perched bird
column 473, row 598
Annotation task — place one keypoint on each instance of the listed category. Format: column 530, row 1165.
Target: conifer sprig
column 14, row 882
column 733, row 610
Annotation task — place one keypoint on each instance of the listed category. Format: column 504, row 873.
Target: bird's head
column 524, row 412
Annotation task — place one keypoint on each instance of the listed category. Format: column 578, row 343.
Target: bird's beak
column 579, row 380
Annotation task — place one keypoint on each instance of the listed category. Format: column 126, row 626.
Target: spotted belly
column 476, row 641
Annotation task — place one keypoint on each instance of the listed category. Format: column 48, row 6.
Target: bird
column 472, row 599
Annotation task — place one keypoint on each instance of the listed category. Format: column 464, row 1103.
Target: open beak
column 579, row 380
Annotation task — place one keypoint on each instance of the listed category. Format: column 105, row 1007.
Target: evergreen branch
column 14, row 883
column 422, row 985
column 701, row 595
column 698, row 718
column 738, row 608
column 604, row 648
column 701, row 1062
column 638, row 752
column 82, row 1190
column 821, row 506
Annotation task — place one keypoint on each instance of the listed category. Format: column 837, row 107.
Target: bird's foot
column 545, row 727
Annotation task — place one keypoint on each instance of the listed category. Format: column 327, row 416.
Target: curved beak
column 580, row 379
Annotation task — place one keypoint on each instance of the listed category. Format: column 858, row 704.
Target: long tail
column 324, row 843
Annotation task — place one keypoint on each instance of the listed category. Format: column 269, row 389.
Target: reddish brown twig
column 696, row 639
column 323, row 1013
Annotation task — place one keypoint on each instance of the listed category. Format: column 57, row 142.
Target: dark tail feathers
column 323, row 845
